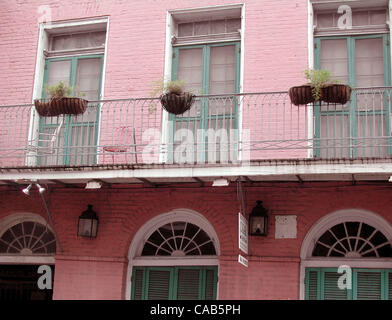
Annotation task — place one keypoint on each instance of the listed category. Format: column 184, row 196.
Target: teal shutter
column 331, row 290
column 137, row 289
column 389, row 285
column 312, row 284
column 368, row 284
column 159, row 284
column 188, row 287
column 210, row 284
column 168, row 283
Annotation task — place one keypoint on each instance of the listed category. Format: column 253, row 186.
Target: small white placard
column 286, row 227
column 243, row 260
column 242, row 233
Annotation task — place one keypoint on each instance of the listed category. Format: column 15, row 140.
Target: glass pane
column 378, row 17
column 334, row 132
column 232, row 25
column 82, row 146
column 218, row 26
column 222, row 70
column 88, row 78
column 221, row 141
column 325, row 20
column 78, row 41
column 59, row 71
column 202, row 28
column 185, row 29
column 360, row 18
column 369, row 62
column 334, row 58
column 371, row 129
column 190, row 70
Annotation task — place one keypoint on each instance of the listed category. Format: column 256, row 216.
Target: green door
column 174, row 283
column 361, row 128
column 210, row 69
column 363, row 284
column 78, row 136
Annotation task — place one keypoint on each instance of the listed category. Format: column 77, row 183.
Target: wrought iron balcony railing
column 217, row 129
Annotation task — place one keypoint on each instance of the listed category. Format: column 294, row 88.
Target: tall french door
column 78, row 135
column 208, row 69
column 360, row 128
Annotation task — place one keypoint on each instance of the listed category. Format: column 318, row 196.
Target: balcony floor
column 288, row 170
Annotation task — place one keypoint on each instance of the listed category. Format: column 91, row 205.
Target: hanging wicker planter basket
column 301, row 95
column 336, row 93
column 177, row 103
column 58, row 106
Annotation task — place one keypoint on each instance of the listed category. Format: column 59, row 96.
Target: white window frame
column 171, row 25
column 14, row 219
column 327, row 222
column 142, row 235
column 45, row 30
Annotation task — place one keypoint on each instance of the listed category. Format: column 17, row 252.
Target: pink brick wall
column 275, row 43
column 275, row 53
column 96, row 269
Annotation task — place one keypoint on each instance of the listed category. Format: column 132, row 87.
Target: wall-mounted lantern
column 88, row 223
column 258, row 220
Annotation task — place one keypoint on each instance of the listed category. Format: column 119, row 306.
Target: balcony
column 219, row 130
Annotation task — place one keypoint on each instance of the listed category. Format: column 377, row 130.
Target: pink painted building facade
column 167, row 188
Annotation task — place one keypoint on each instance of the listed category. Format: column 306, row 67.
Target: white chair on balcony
column 45, row 143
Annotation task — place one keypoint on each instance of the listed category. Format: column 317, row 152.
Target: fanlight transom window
column 178, row 239
column 28, row 238
column 352, row 240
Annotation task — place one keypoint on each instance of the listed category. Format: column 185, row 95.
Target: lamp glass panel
column 257, row 225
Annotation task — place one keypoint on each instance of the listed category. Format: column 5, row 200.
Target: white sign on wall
column 243, row 260
column 242, row 233
column 286, row 227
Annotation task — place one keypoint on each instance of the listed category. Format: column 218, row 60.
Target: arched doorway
column 26, row 242
column 174, row 256
column 347, row 255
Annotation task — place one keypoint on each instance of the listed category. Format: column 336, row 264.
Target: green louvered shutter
column 138, row 284
column 331, row 291
column 159, row 284
column 312, row 284
column 389, row 277
column 368, row 285
column 188, row 287
column 210, row 284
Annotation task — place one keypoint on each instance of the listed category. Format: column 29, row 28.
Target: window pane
column 88, row 76
column 59, row 71
column 78, row 41
column 325, row 20
column 369, row 62
column 334, row 58
column 334, row 132
column 218, row 26
column 202, row 28
column 185, row 29
column 222, row 70
column 232, row 25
